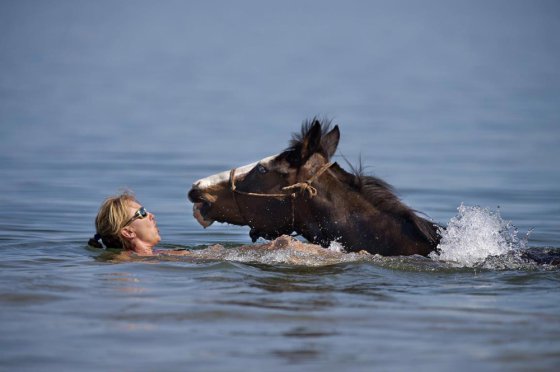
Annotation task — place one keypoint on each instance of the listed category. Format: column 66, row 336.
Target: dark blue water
column 450, row 102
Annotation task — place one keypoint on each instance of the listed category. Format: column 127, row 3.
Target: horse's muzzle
column 198, row 214
column 200, row 207
column 195, row 195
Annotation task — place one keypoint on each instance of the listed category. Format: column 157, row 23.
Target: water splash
column 336, row 247
column 283, row 250
column 475, row 235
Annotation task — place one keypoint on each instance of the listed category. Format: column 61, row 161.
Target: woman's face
column 146, row 229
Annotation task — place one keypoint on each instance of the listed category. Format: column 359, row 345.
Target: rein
column 291, row 191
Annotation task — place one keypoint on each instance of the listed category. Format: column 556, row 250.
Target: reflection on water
column 123, row 282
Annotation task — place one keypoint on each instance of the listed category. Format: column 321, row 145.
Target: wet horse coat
column 301, row 191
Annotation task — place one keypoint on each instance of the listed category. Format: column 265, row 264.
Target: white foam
column 476, row 234
column 336, row 247
column 283, row 250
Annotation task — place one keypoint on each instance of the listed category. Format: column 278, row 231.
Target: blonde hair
column 111, row 218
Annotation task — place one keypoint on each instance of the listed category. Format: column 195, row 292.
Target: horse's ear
column 312, row 140
column 329, row 142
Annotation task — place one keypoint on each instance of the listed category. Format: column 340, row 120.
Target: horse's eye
column 261, row 169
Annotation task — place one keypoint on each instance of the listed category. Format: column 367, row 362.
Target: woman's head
column 123, row 223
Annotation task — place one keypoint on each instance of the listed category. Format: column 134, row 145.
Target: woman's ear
column 128, row 233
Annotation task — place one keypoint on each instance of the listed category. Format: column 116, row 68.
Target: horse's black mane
column 376, row 191
column 382, row 195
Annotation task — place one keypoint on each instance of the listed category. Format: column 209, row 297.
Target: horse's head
column 260, row 194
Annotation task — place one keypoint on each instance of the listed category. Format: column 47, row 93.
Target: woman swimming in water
column 123, row 223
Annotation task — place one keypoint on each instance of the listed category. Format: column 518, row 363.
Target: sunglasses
column 140, row 214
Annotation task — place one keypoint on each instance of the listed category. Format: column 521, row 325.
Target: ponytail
column 94, row 242
column 98, row 242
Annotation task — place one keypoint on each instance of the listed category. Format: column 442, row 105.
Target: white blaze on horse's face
column 220, row 178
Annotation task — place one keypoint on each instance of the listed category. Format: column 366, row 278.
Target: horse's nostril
column 195, row 195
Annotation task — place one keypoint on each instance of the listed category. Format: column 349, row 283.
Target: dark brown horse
column 301, row 191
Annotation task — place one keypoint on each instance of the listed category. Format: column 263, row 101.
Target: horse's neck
column 324, row 218
column 340, row 212
column 376, row 219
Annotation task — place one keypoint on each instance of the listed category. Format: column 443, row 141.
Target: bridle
column 291, row 191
